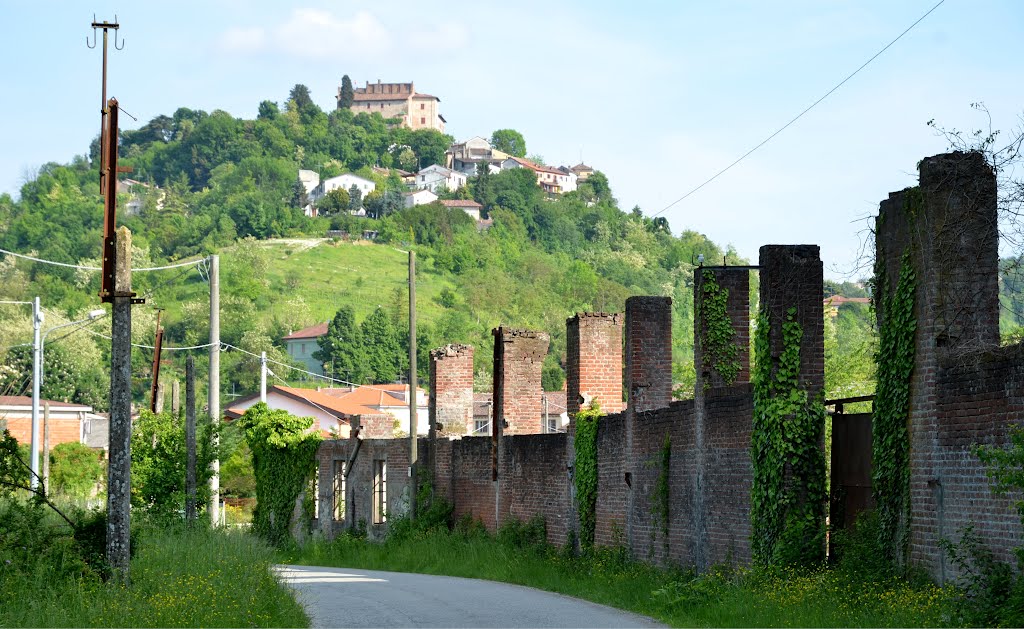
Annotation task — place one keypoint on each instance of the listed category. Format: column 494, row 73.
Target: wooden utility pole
column 190, row 441
column 120, row 464
column 46, row 448
column 413, row 429
column 213, row 393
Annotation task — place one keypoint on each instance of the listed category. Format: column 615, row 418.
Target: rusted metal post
column 108, row 187
column 190, row 441
column 120, row 465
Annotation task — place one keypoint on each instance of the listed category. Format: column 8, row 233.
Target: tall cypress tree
column 382, row 346
column 347, row 94
column 341, row 349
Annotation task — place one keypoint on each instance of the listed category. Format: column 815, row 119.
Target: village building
column 302, row 344
column 582, row 171
column 390, row 399
column 346, row 181
column 437, row 178
column 69, row 422
column 469, row 206
column 418, row 197
column 551, row 180
column 467, row 157
column 398, row 100
column 332, row 416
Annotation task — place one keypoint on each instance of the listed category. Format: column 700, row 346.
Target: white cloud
column 313, row 34
column 448, row 36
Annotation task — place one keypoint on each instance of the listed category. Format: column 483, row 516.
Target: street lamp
column 37, row 380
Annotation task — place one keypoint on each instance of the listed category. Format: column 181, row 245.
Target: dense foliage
column 585, row 471
column 159, row 463
column 283, row 454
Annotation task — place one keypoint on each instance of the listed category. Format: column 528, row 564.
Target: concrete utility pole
column 46, row 448
column 263, row 377
column 175, row 399
column 190, row 441
column 37, row 376
column 213, row 394
column 120, row 464
column 413, row 428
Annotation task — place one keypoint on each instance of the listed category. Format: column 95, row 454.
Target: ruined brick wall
column 727, row 474
column 533, row 480
column 593, row 360
column 962, row 389
column 610, row 513
column 472, row 487
column 518, row 361
column 736, row 282
column 451, row 389
column 649, row 352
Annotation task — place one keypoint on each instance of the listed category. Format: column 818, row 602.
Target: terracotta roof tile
column 460, row 203
column 311, row 332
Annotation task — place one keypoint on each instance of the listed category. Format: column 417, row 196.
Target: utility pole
column 190, row 441
column 213, row 394
column 120, row 464
column 156, row 389
column 263, row 377
column 413, row 429
column 46, row 448
column 37, row 376
column 106, row 26
column 175, row 399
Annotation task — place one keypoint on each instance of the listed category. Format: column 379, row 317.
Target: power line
column 96, row 268
column 801, row 114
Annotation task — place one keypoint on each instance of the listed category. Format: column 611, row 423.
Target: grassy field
column 722, row 598
column 327, row 275
column 179, row 579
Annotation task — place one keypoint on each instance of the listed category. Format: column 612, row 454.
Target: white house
column 418, row 197
column 468, row 206
column 392, row 399
column 436, row 178
column 346, row 181
column 331, row 414
column 552, row 180
column 467, row 157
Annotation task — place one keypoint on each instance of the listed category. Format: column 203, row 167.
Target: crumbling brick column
column 792, row 279
column 593, row 361
column 708, row 284
column 947, row 226
column 649, row 352
column 518, row 360
column 451, row 390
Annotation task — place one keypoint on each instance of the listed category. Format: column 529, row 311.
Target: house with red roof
column 469, row 206
column 331, row 415
column 390, row 399
column 551, row 180
column 302, row 344
column 69, row 422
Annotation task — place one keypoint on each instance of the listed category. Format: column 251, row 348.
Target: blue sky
column 658, row 95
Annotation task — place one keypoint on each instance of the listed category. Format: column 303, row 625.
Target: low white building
column 418, row 197
column 346, row 181
column 468, row 206
column 436, row 178
column 552, row 180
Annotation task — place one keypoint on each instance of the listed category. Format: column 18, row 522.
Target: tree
column 300, row 95
column 75, row 469
column 407, row 159
column 355, row 198
column 268, row 110
column 158, row 463
column 382, row 347
column 334, row 201
column 347, row 93
column 341, row 349
column 509, row 141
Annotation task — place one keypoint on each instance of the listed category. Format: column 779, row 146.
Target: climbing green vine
column 717, row 334
column 890, row 439
column 788, row 493
column 283, row 460
column 585, row 471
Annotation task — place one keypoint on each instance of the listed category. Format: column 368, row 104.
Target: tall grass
column 179, row 579
column 722, row 597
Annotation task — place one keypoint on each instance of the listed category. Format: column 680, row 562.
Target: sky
column 659, row 96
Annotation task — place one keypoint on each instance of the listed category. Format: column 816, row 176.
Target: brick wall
column 518, row 360
column 964, row 390
column 649, row 352
column 451, row 389
column 593, row 360
column 62, row 430
column 533, row 480
column 736, row 281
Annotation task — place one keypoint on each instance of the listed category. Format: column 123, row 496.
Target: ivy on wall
column 585, row 471
column 283, row 460
column 788, row 493
column 717, row 334
column 660, row 498
column 889, row 435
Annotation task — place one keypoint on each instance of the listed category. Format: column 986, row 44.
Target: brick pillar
column 792, row 278
column 593, row 361
column 649, row 352
column 735, row 284
column 948, row 226
column 519, row 357
column 451, row 390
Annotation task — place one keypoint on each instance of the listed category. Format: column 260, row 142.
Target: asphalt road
column 341, row 597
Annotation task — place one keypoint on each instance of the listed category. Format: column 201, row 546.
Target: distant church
column 398, row 100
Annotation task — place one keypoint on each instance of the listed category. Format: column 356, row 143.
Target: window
column 423, row 121
column 481, row 427
column 382, row 105
column 315, row 487
column 423, row 105
column 380, row 491
column 302, row 346
column 339, row 490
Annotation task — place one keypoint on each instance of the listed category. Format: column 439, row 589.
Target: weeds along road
column 340, row 597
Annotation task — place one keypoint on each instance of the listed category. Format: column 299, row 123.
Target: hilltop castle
column 398, row 100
